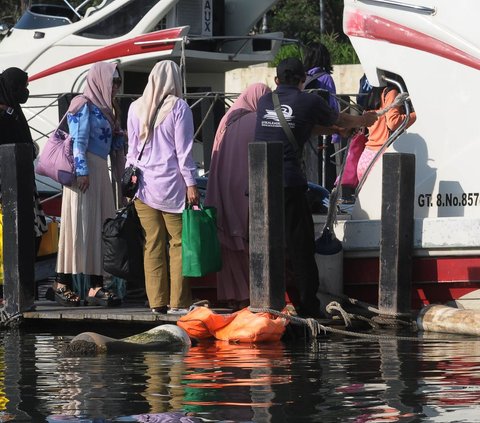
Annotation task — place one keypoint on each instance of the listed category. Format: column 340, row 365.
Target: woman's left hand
column 83, row 183
column 192, row 195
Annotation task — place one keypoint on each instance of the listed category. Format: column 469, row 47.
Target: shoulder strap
column 283, row 122
column 311, row 78
column 152, row 126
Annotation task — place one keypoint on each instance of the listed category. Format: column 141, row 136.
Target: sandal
column 66, row 297
column 104, row 298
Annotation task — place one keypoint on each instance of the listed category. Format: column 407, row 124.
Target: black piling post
column 267, row 227
column 16, row 169
column 396, row 242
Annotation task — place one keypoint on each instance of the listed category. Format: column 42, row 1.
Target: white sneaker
column 178, row 311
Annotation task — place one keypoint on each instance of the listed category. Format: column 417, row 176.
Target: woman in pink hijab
column 85, row 205
column 227, row 190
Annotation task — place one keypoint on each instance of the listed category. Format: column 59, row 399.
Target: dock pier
column 267, row 253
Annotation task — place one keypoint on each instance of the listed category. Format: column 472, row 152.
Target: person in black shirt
column 305, row 114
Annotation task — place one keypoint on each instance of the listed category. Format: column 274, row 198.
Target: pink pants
column 364, row 161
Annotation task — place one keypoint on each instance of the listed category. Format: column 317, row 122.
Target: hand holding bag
column 56, row 159
column 123, row 245
column 201, row 252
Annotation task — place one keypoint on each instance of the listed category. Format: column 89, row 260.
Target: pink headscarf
column 228, row 176
column 98, row 90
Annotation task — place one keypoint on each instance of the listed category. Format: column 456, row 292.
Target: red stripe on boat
column 434, row 279
column 360, row 271
column 120, row 49
column 364, row 25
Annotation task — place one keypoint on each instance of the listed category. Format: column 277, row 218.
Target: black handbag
column 130, row 180
column 123, row 245
column 131, row 177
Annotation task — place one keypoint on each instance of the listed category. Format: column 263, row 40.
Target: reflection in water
column 436, row 379
column 235, row 381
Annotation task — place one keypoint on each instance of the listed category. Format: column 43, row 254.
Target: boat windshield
column 47, row 15
column 120, row 22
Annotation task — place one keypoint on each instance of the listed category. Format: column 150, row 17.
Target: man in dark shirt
column 305, row 114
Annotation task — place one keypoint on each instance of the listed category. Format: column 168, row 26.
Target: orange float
column 242, row 326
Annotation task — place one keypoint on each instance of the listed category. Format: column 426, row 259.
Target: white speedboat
column 434, row 46
column 57, row 43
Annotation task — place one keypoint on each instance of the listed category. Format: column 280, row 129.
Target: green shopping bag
column 200, row 246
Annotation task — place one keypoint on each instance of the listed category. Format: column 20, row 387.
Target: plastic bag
column 200, row 246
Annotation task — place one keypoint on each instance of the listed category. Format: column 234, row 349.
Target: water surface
column 334, row 379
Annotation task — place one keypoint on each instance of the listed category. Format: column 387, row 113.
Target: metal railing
column 195, row 100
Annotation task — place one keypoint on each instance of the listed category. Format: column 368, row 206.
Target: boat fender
column 160, row 338
column 440, row 318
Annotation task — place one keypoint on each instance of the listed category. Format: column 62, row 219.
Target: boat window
column 46, row 16
column 162, row 24
column 120, row 22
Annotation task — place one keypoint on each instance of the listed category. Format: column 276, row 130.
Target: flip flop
column 104, row 298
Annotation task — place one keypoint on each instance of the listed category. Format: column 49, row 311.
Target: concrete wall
column 346, row 78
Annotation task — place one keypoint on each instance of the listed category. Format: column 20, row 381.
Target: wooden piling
column 267, row 226
column 16, row 168
column 396, row 242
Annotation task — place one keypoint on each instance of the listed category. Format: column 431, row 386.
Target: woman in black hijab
column 14, row 129
column 13, row 92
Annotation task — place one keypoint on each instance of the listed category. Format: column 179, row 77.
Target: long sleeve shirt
column 379, row 132
column 166, row 166
column 326, row 82
column 92, row 132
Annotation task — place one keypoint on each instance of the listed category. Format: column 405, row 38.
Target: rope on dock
column 9, row 321
column 316, row 328
column 391, row 320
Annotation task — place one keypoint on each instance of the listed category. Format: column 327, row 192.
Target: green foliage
column 300, row 19
column 297, row 19
column 341, row 52
column 287, row 50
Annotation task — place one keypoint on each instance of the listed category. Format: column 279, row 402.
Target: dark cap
column 290, row 69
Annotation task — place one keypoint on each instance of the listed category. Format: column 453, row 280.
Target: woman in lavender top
column 319, row 69
column 94, row 129
column 161, row 122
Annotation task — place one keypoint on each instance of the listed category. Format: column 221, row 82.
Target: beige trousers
column 160, row 228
